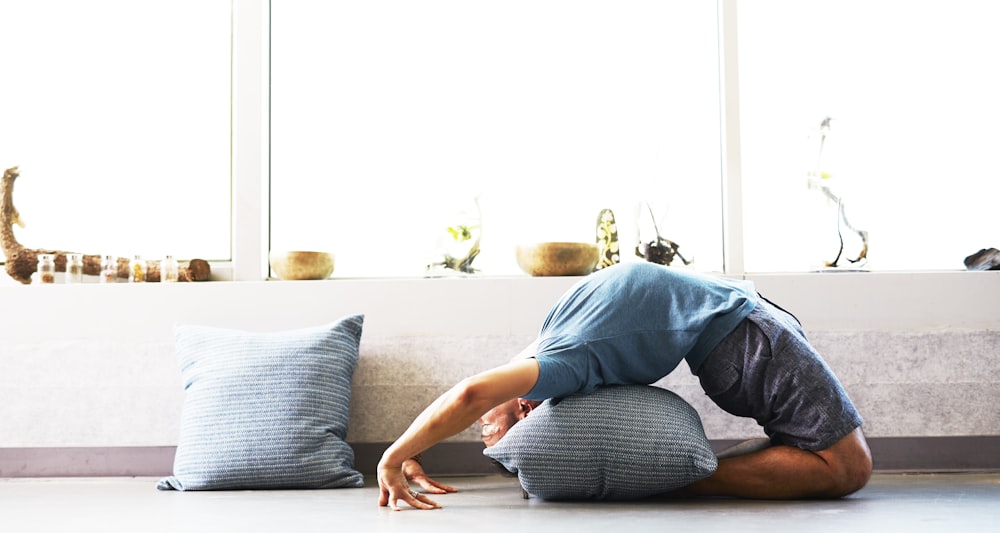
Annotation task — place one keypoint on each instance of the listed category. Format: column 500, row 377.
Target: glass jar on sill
column 74, row 268
column 46, row 268
column 109, row 269
column 168, row 270
column 137, row 270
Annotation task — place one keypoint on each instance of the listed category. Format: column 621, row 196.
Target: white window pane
column 387, row 116
column 117, row 114
column 912, row 88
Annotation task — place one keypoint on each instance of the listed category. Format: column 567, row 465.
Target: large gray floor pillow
column 266, row 410
column 619, row 443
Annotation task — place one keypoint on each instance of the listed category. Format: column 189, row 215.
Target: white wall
column 93, row 366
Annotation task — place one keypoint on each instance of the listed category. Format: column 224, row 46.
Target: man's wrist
column 391, row 458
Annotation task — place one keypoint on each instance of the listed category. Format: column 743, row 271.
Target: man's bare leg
column 785, row 472
column 745, row 447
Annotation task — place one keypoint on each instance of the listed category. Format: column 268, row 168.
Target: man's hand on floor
column 414, row 473
column 393, row 488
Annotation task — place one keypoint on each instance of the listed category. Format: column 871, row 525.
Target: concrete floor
column 891, row 502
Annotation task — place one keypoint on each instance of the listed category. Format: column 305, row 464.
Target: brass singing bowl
column 299, row 265
column 557, row 258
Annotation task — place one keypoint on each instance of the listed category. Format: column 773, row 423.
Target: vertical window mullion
column 729, row 100
column 249, row 149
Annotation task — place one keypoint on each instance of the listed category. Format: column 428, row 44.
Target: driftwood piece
column 984, row 259
column 23, row 262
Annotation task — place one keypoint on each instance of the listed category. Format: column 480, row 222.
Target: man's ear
column 524, row 407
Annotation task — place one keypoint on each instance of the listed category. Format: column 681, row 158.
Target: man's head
column 501, row 418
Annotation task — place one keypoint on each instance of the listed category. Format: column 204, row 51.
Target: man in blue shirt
column 633, row 324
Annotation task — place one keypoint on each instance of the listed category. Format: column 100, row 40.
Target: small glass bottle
column 74, row 268
column 109, row 269
column 137, row 270
column 168, row 270
column 46, row 268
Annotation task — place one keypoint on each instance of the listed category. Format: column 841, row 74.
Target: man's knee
column 853, row 475
column 850, row 461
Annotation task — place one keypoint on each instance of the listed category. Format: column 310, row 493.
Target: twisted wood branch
column 23, row 262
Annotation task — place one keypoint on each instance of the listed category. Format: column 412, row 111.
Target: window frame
column 251, row 71
column 251, row 133
column 250, row 140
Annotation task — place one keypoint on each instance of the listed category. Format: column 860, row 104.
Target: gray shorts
column 767, row 370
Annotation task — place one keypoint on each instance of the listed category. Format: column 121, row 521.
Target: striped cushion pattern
column 620, row 442
column 266, row 410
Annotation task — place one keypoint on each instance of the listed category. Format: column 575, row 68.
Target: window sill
column 485, row 305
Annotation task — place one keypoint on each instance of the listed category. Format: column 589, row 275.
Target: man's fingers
column 438, row 488
column 443, row 487
column 432, row 486
column 421, row 501
column 412, row 498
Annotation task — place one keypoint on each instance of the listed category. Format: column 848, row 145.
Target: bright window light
column 912, row 90
column 117, row 114
column 390, row 117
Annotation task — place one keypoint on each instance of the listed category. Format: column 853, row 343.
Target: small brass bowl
column 557, row 258
column 301, row 265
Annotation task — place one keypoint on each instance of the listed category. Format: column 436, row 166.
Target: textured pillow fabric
column 620, row 442
column 266, row 410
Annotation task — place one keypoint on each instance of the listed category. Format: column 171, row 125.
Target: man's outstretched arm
column 449, row 414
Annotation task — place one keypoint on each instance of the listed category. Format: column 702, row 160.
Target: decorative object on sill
column 109, row 269
column 985, row 259
column 46, row 269
column 821, row 178
column 168, row 269
column 660, row 250
column 137, row 270
column 557, row 258
column 607, row 240
column 23, row 262
column 460, row 245
column 74, row 268
column 302, row 265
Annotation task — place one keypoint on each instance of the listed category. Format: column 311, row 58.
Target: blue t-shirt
column 633, row 323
